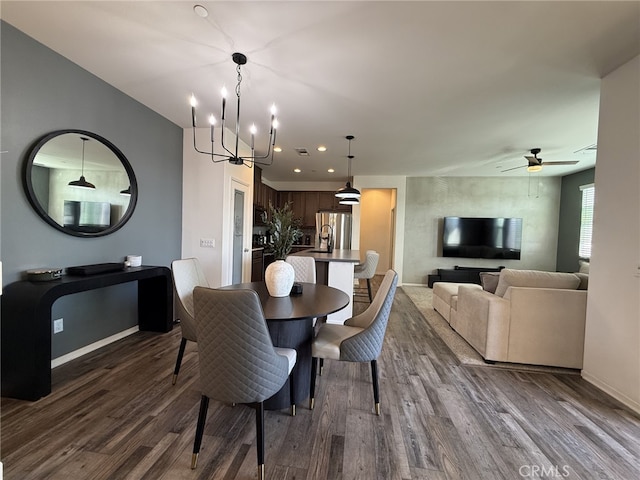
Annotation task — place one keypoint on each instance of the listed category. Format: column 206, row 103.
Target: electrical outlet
column 58, row 326
column 207, row 242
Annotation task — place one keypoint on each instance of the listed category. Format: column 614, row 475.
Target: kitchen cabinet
column 257, row 187
column 305, row 205
column 326, row 201
column 257, row 265
column 311, row 207
column 270, row 196
column 297, row 202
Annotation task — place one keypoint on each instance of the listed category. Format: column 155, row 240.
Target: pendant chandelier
column 347, row 194
column 82, row 182
column 231, row 154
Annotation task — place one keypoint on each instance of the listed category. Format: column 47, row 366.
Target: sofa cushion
column 584, row 280
column 535, row 279
column 489, row 281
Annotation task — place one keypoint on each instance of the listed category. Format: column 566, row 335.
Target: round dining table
column 290, row 323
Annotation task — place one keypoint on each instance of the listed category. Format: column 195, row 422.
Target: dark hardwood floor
column 114, row 414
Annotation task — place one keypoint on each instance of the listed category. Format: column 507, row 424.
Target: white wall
column 207, row 207
column 612, row 344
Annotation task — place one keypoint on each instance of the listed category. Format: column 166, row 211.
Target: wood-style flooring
column 114, row 414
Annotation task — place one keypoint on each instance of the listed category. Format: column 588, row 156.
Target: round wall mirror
column 80, row 183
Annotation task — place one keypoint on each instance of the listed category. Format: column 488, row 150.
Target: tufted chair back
column 304, row 268
column 238, row 363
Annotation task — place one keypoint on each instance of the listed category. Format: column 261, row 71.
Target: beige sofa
column 533, row 317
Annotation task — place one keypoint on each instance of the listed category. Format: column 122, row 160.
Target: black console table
column 26, row 321
column 459, row 274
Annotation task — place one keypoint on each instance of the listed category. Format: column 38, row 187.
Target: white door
column 239, row 232
column 238, row 236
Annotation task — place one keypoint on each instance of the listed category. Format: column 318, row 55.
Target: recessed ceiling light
column 331, row 170
column 201, row 11
column 277, row 149
column 322, row 148
column 297, row 170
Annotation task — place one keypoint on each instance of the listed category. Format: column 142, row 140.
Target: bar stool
column 367, row 270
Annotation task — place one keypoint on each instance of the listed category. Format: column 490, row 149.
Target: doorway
column 378, row 224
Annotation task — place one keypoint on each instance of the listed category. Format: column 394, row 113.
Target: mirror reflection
column 80, row 183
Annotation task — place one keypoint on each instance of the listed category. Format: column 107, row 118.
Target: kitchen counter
column 336, row 270
column 352, row 256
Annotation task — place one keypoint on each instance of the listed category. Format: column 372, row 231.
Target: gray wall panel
column 42, row 91
column 569, row 223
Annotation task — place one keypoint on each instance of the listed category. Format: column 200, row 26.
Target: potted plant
column 285, row 230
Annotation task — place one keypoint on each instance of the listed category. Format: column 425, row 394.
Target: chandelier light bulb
column 224, row 92
column 273, row 109
column 253, row 129
column 212, row 119
column 194, row 102
column 275, row 123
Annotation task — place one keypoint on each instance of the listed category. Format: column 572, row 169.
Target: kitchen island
column 336, row 270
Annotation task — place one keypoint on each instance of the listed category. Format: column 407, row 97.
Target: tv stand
column 460, row 274
column 26, row 321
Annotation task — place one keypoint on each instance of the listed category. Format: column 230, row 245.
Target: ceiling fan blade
column 514, row 168
column 568, row 162
column 533, row 160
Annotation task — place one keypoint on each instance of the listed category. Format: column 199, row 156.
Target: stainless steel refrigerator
column 340, row 224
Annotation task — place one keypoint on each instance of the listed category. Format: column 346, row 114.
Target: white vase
column 279, row 277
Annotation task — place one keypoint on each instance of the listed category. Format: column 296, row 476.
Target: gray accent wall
column 41, row 92
column 535, row 199
column 569, row 222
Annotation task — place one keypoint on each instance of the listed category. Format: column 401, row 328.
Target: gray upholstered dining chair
column 359, row 339
column 304, row 268
column 367, row 270
column 238, row 362
column 187, row 275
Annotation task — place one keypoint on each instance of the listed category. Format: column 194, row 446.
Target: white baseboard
column 56, row 362
column 608, row 389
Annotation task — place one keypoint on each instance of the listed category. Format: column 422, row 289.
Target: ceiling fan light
column 534, row 168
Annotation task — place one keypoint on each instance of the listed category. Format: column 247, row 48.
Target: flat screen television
column 88, row 217
column 471, row 237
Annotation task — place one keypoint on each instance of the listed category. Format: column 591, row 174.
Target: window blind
column 586, row 220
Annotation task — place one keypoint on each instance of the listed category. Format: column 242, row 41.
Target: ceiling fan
column 534, row 163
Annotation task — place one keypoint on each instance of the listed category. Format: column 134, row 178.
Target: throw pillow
column 489, row 281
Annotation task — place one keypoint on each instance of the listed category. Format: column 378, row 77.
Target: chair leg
column 260, row 438
column 202, row 418
column 369, row 289
column 183, row 344
column 292, row 395
column 374, row 377
column 312, row 386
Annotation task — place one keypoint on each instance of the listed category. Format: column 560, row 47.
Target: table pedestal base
column 293, row 334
